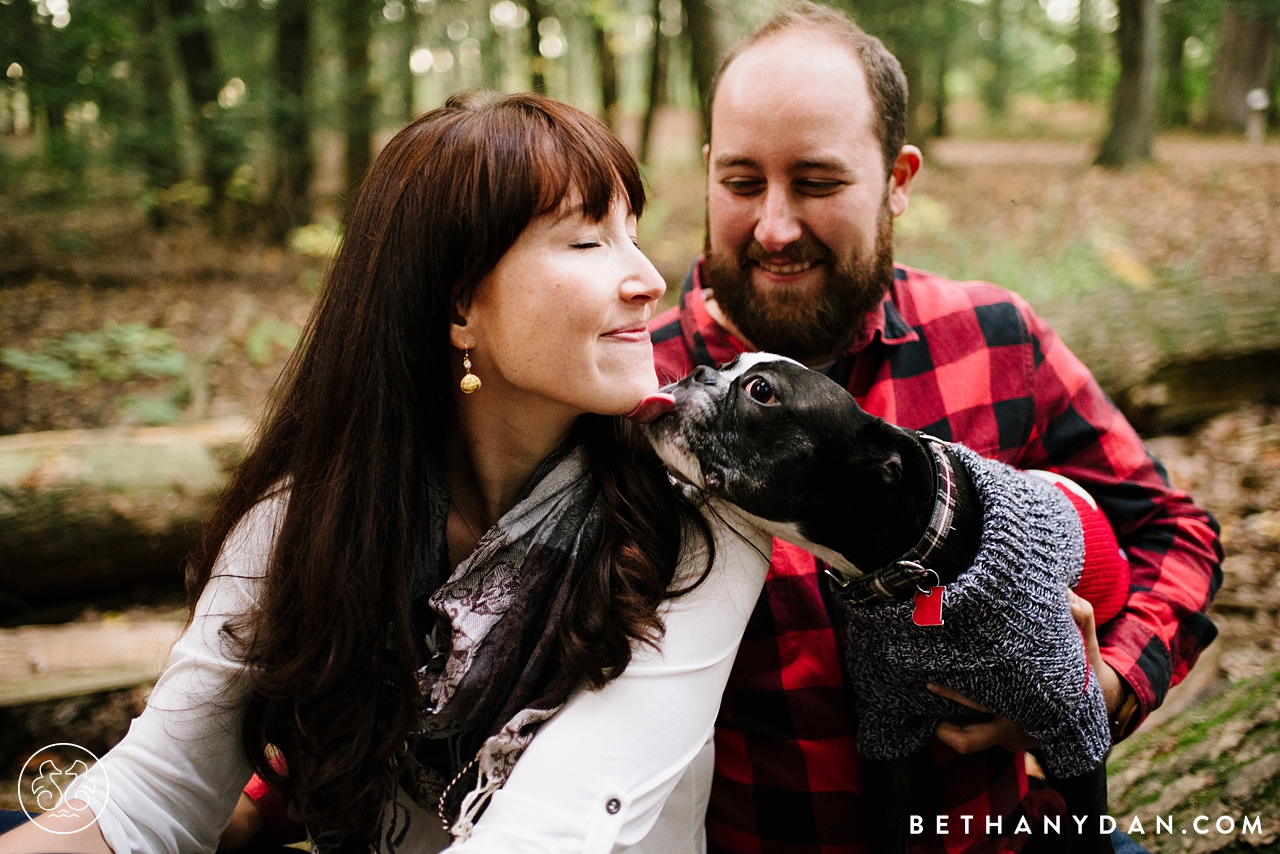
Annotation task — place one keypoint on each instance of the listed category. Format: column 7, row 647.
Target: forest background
column 173, row 175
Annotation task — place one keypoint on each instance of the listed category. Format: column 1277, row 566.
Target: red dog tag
column 928, row 610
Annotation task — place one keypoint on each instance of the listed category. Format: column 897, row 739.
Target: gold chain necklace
column 470, row 528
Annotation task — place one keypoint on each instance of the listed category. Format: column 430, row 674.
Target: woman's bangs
column 569, row 156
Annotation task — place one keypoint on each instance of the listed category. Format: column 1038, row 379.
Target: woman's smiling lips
column 636, row 333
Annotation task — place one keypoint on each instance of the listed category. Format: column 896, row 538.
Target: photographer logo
column 53, row 783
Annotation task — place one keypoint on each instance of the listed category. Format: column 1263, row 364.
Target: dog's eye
column 761, row 390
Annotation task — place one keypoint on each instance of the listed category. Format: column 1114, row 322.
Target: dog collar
column 944, row 506
column 903, row 576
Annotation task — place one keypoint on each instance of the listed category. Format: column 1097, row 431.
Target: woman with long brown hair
column 445, row 533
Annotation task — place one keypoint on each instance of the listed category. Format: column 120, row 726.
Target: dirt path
column 1173, row 150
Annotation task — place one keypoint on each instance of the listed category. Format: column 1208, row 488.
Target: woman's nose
column 644, row 283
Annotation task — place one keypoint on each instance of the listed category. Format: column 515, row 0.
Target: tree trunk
column 1088, row 52
column 392, row 78
column 406, row 36
column 1245, row 61
column 492, row 59
column 156, row 140
column 21, row 37
column 1133, row 107
column 913, row 67
column 134, row 498
column 219, row 149
column 941, row 127
column 1175, row 97
column 290, row 122
column 607, row 66
column 657, row 89
column 52, row 90
column 537, row 62
column 996, row 92
column 705, row 38
column 195, row 50
column 49, row 65
column 358, row 98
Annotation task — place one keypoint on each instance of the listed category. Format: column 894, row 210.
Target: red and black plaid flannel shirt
column 967, row 362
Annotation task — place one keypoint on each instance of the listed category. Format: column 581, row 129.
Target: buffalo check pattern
column 967, row 362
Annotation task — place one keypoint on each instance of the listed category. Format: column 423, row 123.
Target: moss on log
column 1219, row 758
column 84, row 512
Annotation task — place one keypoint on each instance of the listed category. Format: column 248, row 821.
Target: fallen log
column 1180, row 396
column 86, row 512
column 40, row 663
column 1211, row 774
column 1177, row 354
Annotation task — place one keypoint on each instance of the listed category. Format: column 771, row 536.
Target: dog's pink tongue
column 653, row 406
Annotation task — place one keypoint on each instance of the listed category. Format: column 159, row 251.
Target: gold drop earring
column 470, row 382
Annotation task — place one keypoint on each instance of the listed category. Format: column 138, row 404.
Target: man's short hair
column 885, row 80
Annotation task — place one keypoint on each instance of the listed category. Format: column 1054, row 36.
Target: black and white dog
column 894, row 515
column 796, row 452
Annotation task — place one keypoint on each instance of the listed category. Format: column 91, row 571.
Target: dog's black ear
column 891, row 469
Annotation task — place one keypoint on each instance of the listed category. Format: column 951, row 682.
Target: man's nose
column 779, row 224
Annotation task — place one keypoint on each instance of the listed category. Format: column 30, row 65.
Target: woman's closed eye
column 592, row 243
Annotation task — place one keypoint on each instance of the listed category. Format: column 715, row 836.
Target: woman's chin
column 624, row 399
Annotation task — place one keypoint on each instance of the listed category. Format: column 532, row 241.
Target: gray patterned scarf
column 494, row 673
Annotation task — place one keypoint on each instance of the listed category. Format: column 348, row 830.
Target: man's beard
column 796, row 323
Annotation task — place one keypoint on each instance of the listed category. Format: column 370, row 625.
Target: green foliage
column 41, row 367
column 309, row 280
column 218, row 150
column 1042, row 271
column 319, row 239
column 184, row 196
column 267, row 332
column 114, row 353
column 1190, row 34
column 151, row 411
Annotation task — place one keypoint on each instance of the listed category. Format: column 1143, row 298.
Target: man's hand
column 246, row 823
column 1003, row 732
column 974, row 737
column 1112, row 685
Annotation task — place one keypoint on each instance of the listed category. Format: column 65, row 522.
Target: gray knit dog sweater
column 1007, row 641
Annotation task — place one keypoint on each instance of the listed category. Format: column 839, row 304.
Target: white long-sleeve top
column 625, row 768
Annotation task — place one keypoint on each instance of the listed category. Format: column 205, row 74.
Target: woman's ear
column 460, row 335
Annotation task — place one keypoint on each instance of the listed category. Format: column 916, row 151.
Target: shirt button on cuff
column 613, row 806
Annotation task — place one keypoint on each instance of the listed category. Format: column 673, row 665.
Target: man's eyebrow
column 730, row 161
column 821, row 164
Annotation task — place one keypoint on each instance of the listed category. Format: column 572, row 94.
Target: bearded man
column 807, row 169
